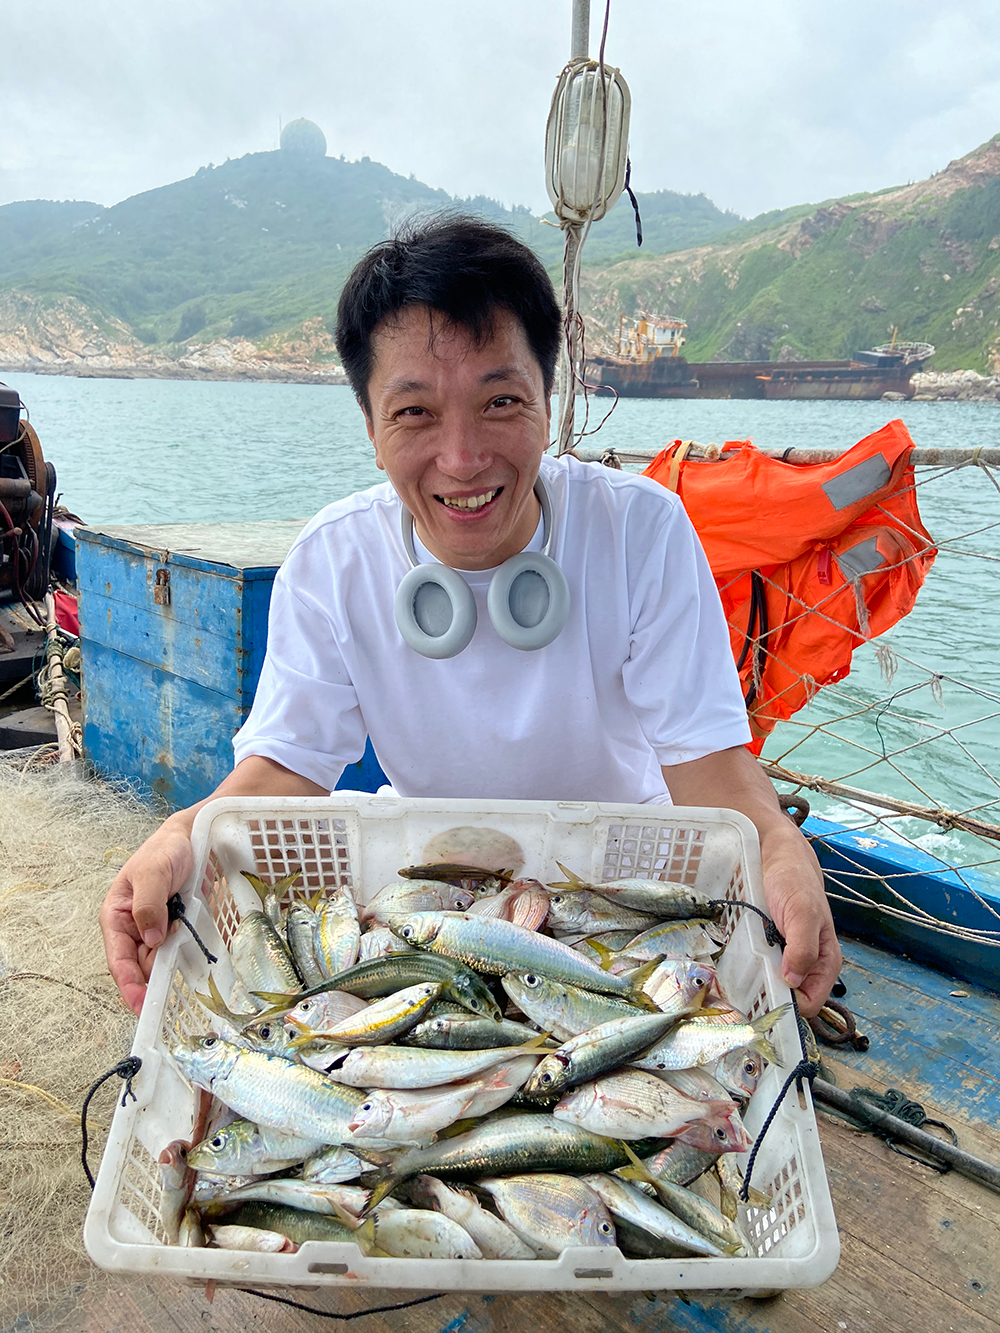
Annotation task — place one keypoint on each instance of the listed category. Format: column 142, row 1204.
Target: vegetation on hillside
column 824, row 282
column 263, row 243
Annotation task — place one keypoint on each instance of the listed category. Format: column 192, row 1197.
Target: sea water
column 170, row 451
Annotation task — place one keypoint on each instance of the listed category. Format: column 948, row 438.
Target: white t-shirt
column 642, row 674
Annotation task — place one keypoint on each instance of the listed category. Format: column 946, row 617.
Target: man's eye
column 410, row 412
column 504, row 400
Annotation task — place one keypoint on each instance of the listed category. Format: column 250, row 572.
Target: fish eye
column 605, row 1228
column 406, row 932
column 749, row 1067
column 218, row 1141
column 209, row 1041
column 530, row 979
column 720, row 1133
column 545, row 1078
column 265, row 1032
column 368, row 1106
column 699, row 981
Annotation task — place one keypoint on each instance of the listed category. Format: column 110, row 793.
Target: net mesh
column 62, row 837
column 904, row 747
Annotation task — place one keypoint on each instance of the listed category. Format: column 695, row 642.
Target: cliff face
column 823, row 282
column 62, row 336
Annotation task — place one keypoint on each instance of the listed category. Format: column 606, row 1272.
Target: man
column 449, row 336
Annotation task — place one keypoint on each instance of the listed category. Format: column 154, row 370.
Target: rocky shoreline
column 965, row 386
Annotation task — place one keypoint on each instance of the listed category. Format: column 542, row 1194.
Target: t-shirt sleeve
column 680, row 677
column 305, row 713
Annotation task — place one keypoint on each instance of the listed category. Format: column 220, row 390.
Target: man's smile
column 470, row 503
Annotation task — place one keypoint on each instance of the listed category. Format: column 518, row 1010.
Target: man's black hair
column 462, row 267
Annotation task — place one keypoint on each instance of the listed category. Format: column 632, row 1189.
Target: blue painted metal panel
column 862, row 860
column 167, row 686
column 170, row 735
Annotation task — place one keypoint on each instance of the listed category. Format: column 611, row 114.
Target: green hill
column 263, row 243
column 822, row 282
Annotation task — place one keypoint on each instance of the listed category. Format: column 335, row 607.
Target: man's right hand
column 134, row 916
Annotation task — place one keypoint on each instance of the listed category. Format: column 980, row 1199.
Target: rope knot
column 127, row 1069
column 175, row 912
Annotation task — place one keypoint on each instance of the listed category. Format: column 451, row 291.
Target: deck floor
column 920, row 1251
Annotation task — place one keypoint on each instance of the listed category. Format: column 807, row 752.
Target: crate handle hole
column 593, row 1272
column 337, row 1269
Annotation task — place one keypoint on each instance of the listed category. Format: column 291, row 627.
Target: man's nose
column 462, row 450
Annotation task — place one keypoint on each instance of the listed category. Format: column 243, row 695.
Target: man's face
column 460, row 431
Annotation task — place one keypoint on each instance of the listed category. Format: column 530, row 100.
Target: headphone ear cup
column 435, row 611
column 528, row 601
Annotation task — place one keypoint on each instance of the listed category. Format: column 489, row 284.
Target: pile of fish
column 470, row 1066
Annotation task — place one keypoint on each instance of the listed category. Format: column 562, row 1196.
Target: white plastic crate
column 361, row 841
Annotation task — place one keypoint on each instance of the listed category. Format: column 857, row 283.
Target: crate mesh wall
column 650, row 851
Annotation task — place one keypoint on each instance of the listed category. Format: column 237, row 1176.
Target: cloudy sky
column 760, row 105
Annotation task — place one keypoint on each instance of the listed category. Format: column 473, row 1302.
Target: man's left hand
column 793, row 881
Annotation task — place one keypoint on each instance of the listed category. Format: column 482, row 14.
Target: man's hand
column 793, row 881
column 134, row 916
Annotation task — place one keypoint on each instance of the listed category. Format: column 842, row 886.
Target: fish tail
column 765, row 1022
column 384, row 1186
column 571, row 881
column 641, row 975
column 605, row 955
column 638, row 1170
column 287, row 999
column 766, row 1050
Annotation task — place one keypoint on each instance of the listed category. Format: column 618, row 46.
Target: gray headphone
column 528, row 598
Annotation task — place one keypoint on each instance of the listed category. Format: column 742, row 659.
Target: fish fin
column 315, row 900
column 214, row 1002
column 457, row 1127
column 527, row 1047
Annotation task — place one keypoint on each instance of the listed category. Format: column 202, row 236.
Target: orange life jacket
column 810, row 561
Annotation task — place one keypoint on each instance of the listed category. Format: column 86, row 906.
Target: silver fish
column 498, row 947
column 636, row 1105
column 593, row 1052
column 416, row 895
column 244, row 1148
column 552, row 1212
column 336, row 933
column 300, row 925
column 560, row 1008
column 495, row 1238
column 415, row 1233
column 691, row 1044
column 385, row 1019
column 659, row 898
column 583, row 912
column 739, row 1072
column 462, row 1031
column 268, row 1090
column 413, row 1067
column 332, row 1166
column 251, row 1238
column 624, row 1200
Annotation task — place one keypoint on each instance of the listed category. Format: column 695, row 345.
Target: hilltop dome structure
column 304, row 138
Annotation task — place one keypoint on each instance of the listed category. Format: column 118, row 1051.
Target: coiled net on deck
column 62, row 838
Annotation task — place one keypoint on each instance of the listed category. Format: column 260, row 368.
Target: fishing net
column 904, row 747
column 62, row 837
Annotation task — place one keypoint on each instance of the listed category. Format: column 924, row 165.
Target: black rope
column 635, row 202
column 330, row 1314
column 805, row 1069
column 126, row 1069
column 771, row 932
column 903, row 1108
column 175, row 912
